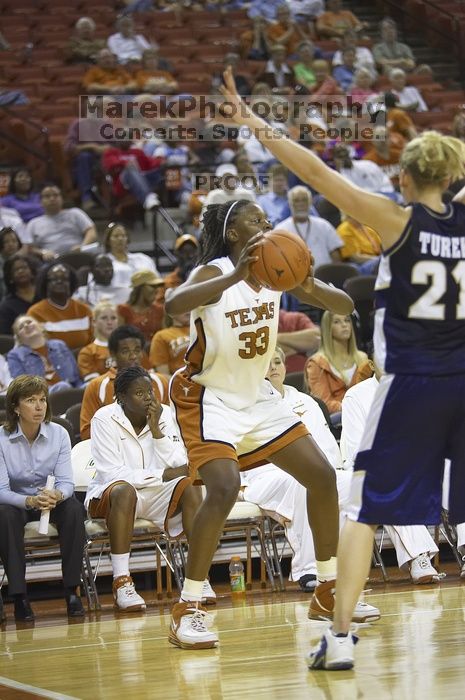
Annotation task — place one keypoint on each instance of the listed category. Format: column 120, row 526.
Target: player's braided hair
column 212, row 243
column 125, row 377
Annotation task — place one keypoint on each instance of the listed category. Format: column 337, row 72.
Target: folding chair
column 47, row 546
column 145, row 536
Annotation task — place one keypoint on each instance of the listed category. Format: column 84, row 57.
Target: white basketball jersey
column 232, row 341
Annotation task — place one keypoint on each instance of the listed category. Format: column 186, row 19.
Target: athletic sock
column 326, row 570
column 120, row 564
column 191, row 591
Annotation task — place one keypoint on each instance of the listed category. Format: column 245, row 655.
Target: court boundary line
column 17, row 685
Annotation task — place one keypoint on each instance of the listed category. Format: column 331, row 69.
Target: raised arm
column 388, row 218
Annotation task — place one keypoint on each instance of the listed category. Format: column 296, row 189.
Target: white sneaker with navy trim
column 333, row 653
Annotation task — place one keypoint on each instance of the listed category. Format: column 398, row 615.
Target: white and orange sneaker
column 189, row 627
column 322, row 605
column 125, row 595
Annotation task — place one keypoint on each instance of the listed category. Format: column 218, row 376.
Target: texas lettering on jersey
column 250, row 316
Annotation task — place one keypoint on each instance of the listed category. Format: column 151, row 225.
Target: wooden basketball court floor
column 416, row 651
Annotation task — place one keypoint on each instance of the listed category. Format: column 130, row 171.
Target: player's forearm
column 189, row 296
column 325, row 297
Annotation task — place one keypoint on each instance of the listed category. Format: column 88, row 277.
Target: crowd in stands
column 83, row 328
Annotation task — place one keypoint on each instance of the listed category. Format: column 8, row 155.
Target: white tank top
column 232, row 341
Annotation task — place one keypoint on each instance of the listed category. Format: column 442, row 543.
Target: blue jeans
column 83, row 172
column 140, row 184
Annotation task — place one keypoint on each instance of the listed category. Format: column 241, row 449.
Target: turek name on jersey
column 442, row 246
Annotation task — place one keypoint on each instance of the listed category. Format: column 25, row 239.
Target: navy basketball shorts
column 415, row 423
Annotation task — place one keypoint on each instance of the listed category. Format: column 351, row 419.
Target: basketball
column 283, row 260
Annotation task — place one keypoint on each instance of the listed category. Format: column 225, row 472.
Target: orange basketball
column 283, row 260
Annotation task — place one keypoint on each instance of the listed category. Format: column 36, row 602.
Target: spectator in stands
column 363, row 173
column 332, row 23
column 242, row 83
column 125, row 43
column 264, row 8
column 35, row 354
column 100, row 285
column 9, row 218
column 317, row 233
column 254, row 44
column 325, row 85
column 32, row 448
column 125, row 264
column 344, row 73
column 143, row 310
column 338, row 364
column 306, row 11
column 20, row 274
column 94, row 359
column 390, row 53
column 277, row 74
column 63, row 318
column 85, row 155
column 140, row 472
column 126, row 347
column 274, row 203
column 362, row 89
column 385, row 150
column 285, row 31
column 408, row 96
column 107, row 77
column 229, row 189
column 152, row 78
column 21, row 196
column 362, row 245
column 84, row 46
column 398, row 121
column 363, row 56
column 298, row 337
column 186, row 249
column 303, row 69
column 58, row 230
column 132, row 171
column 10, row 244
column 458, row 126
column 169, row 345
column 5, row 380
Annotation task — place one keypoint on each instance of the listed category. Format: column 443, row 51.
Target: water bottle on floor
column 236, row 576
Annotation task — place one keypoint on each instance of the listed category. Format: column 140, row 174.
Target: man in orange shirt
column 107, row 77
column 385, row 150
column 334, row 22
column 63, row 318
column 126, row 347
column 285, row 31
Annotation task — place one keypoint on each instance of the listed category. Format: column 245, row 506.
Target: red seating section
column 195, row 47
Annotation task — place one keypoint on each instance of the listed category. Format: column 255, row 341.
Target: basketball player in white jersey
column 229, row 416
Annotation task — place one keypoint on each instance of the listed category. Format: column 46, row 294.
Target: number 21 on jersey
column 434, row 273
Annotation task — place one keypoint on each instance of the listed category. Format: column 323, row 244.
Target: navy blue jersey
column 420, row 296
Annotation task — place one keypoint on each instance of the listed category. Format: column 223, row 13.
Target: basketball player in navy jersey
column 418, row 414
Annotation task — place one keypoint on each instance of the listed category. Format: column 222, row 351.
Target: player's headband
column 227, row 217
